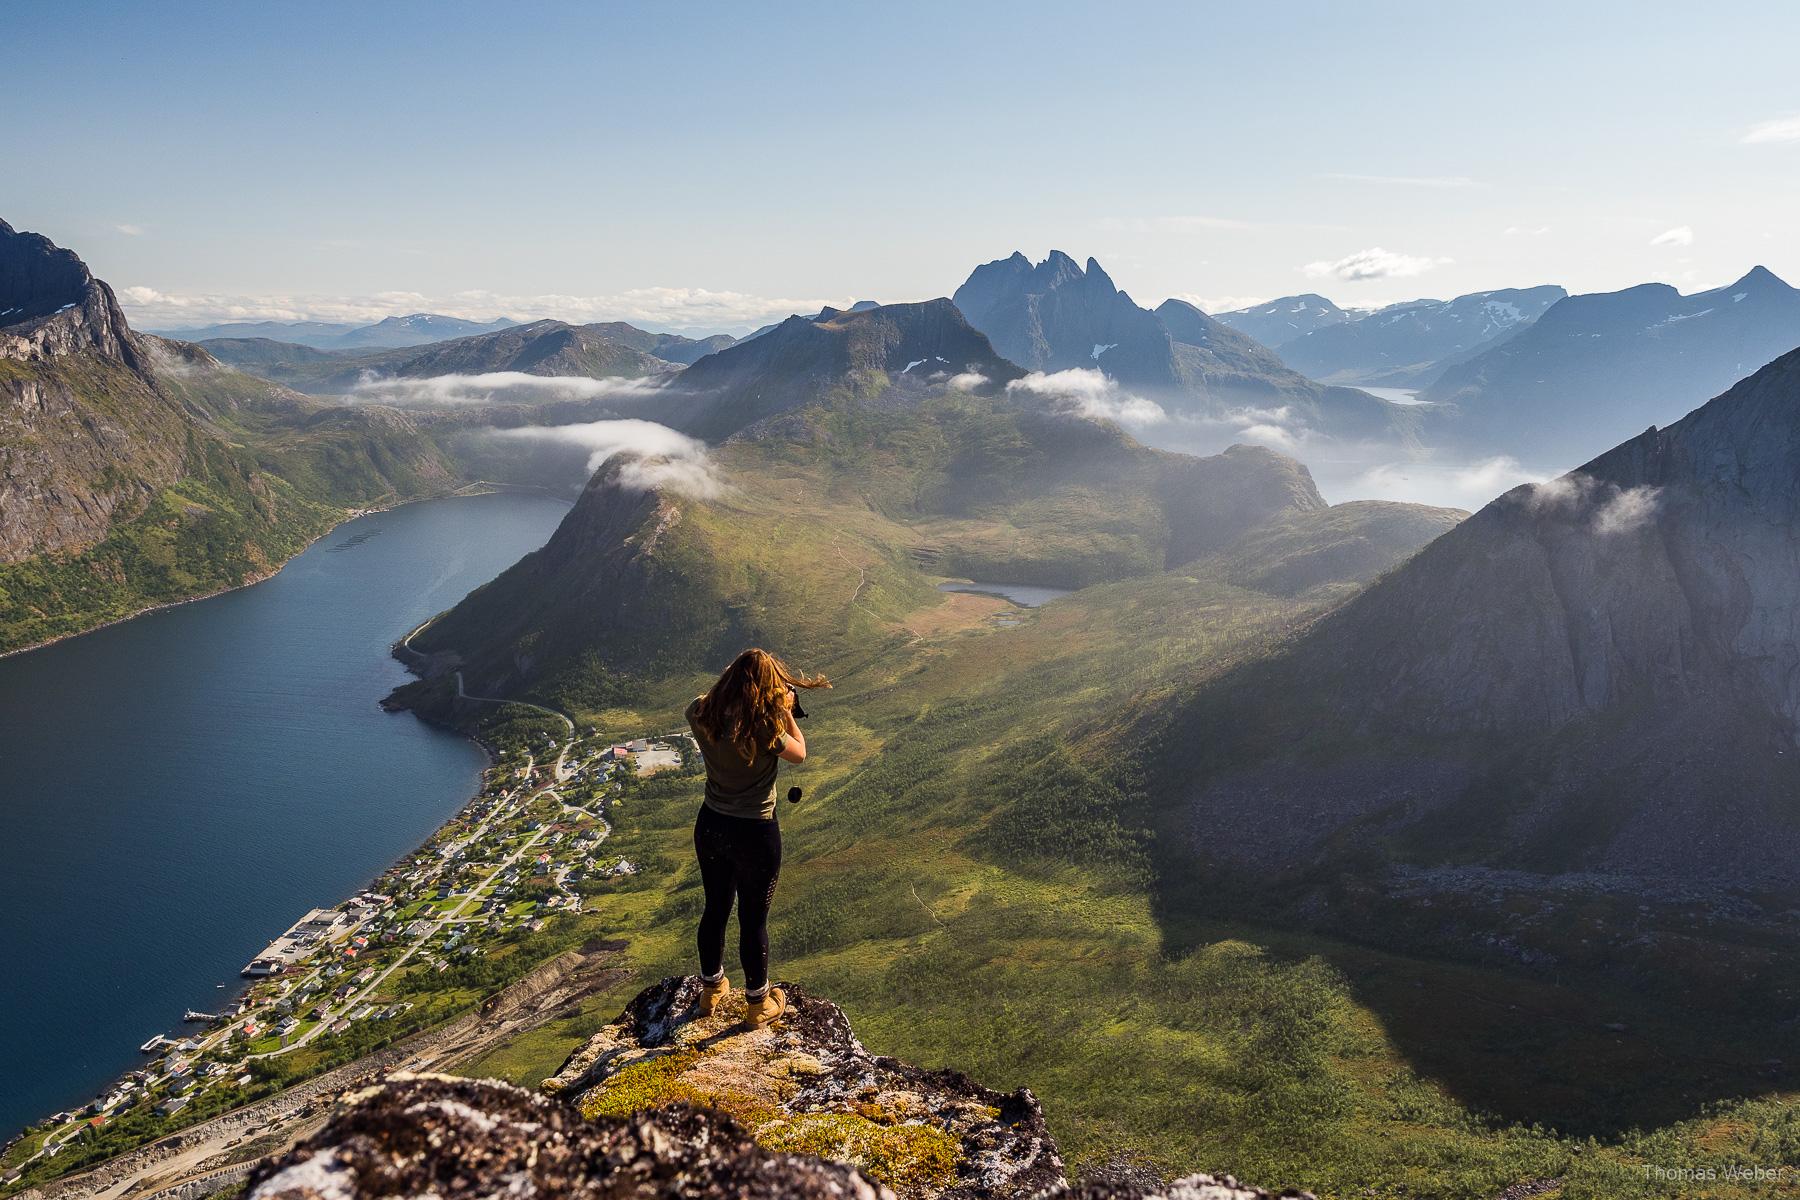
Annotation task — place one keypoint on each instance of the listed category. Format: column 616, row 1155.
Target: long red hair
column 748, row 704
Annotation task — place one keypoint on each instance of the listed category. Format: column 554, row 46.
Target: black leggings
column 741, row 857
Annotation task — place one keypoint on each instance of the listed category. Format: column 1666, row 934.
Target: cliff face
column 662, row 1103
column 1614, row 654
column 85, row 436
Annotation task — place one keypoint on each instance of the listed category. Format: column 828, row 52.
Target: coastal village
column 515, row 859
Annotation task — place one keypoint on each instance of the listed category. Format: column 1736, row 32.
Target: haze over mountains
column 1406, row 345
column 387, row 333
column 1057, row 316
column 1595, row 673
column 1278, row 322
column 1596, row 369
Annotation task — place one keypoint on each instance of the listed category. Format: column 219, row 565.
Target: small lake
column 177, row 789
column 1025, row 595
column 1395, row 395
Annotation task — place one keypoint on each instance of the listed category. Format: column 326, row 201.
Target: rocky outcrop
column 806, row 1083
column 85, row 436
column 50, row 305
column 662, row 1103
column 1058, row 315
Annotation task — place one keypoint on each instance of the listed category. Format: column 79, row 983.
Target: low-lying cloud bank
column 1089, row 393
column 493, row 386
column 656, row 457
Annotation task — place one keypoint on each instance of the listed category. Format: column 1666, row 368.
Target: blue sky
column 700, row 166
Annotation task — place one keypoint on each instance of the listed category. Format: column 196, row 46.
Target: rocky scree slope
column 664, row 1103
column 1598, row 673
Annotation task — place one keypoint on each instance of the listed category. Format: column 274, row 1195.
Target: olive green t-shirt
column 735, row 785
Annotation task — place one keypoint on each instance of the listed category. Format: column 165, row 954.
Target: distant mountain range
column 550, row 348
column 1279, row 322
column 880, row 353
column 1057, row 315
column 1601, row 673
column 389, row 333
column 1598, row 368
column 822, row 314
column 1406, row 345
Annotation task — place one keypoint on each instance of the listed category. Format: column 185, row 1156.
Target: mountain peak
column 1096, row 275
column 50, row 304
column 1761, row 277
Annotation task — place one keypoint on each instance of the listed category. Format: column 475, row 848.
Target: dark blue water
column 1025, row 595
column 176, row 790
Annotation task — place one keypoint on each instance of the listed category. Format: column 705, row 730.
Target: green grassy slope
column 234, row 476
column 828, row 529
column 976, row 872
column 968, row 878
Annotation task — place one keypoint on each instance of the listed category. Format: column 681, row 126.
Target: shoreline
column 489, row 488
column 231, row 990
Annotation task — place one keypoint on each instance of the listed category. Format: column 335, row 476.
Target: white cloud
column 1273, row 436
column 1627, row 510
column 1781, row 129
column 968, row 381
column 1681, row 235
column 1527, row 230
column 1466, row 485
column 1608, row 508
column 677, row 308
column 1424, row 181
column 1090, row 394
column 656, row 457
column 484, row 389
column 130, row 230
column 1373, row 263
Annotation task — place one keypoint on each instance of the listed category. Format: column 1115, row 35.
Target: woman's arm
column 793, row 742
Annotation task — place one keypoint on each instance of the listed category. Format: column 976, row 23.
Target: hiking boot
column 769, row 1007
column 711, row 994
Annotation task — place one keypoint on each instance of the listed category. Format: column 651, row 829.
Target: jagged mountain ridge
column 1595, row 369
column 1597, row 673
column 1057, row 315
column 1404, row 345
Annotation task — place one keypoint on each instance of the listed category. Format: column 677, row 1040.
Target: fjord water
column 176, row 790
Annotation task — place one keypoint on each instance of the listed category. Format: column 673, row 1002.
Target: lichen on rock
column 663, row 1103
column 806, row 1084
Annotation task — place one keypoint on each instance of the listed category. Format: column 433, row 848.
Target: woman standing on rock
column 744, row 727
